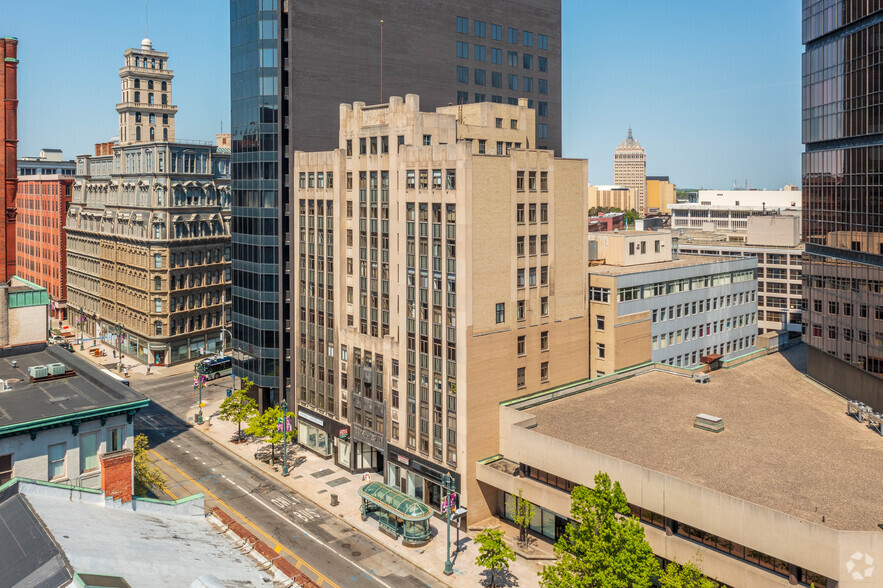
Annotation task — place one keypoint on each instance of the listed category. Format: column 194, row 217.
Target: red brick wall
column 9, row 157
column 116, row 474
column 40, row 244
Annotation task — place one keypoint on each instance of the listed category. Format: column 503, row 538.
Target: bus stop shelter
column 397, row 513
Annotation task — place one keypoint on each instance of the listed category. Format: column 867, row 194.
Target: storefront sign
column 311, row 418
column 343, row 433
column 403, row 459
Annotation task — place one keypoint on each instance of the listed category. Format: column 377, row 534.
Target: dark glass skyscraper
column 843, row 195
column 293, row 62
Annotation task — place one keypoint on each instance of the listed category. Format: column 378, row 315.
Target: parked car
column 66, row 345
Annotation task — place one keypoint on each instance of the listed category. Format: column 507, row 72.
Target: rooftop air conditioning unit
column 56, row 369
column 709, row 423
column 38, row 371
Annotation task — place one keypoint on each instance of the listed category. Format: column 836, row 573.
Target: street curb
column 339, row 517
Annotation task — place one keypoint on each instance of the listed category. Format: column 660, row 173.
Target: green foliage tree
column 605, row 548
column 238, row 408
column 688, row 575
column 265, row 427
column 147, row 475
column 493, row 553
column 524, row 512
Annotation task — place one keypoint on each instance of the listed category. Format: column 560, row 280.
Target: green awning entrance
column 397, row 513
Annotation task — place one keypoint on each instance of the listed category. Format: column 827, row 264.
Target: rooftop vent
column 709, row 423
column 701, row 378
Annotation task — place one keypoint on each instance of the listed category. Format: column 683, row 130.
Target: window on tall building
column 163, row 87
column 137, row 82
column 527, row 84
column 157, row 328
column 543, row 86
column 542, row 64
column 157, row 304
column 157, row 283
column 462, row 50
column 462, row 24
column 479, row 53
column 462, row 74
column 542, row 131
column 513, row 35
column 480, row 77
column 150, row 98
column 496, row 79
column 478, row 28
column 512, row 59
column 521, row 346
column 527, row 61
column 527, row 37
column 56, row 461
column 543, row 108
column 519, row 377
column 496, row 56
column 501, row 312
column 544, row 371
column 513, row 82
column 496, row 32
column 88, row 452
column 462, row 97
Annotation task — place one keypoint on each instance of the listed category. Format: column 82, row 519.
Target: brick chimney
column 117, row 474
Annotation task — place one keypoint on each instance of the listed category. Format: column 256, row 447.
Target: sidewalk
column 136, row 368
column 316, row 479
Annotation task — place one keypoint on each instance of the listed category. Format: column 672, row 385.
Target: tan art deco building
column 661, row 194
column 148, row 230
column 434, row 278
column 630, row 170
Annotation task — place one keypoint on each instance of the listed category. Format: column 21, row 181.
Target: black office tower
column 294, row 62
column 843, row 195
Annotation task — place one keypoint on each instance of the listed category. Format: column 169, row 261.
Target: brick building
column 9, row 139
column 40, row 237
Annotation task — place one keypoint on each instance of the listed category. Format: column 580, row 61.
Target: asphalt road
column 323, row 547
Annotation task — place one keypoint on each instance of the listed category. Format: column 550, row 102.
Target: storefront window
column 544, row 522
column 313, row 438
column 435, row 495
column 415, row 486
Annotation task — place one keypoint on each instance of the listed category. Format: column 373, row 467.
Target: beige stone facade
column 146, row 110
column 630, row 170
column 148, row 243
column 612, row 197
column 435, row 278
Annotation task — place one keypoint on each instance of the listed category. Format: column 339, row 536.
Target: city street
column 323, row 547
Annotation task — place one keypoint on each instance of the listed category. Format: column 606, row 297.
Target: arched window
column 149, row 98
column 150, row 84
column 157, row 281
column 137, row 133
column 151, row 133
column 137, row 82
column 137, row 96
column 163, row 87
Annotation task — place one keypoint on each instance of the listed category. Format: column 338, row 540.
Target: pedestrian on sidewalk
column 114, row 353
column 148, row 370
column 126, row 372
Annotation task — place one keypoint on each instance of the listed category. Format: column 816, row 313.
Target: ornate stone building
column 630, row 170
column 149, row 229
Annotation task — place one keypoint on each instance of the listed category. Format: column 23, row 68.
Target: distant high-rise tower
column 843, row 198
column 146, row 110
column 630, row 169
column 9, row 142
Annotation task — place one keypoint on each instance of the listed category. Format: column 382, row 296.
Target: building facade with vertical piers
column 433, row 276
column 148, row 230
column 449, row 53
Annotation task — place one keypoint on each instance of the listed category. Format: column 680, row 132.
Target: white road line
column 313, row 537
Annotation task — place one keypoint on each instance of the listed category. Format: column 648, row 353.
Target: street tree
column 147, row 476
column 493, row 553
column 524, row 512
column 604, row 547
column 688, row 575
column 238, row 408
column 267, row 427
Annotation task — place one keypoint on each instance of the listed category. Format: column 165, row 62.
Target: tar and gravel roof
column 88, row 390
column 787, row 444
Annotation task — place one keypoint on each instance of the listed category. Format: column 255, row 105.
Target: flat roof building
column 648, row 305
column 748, row 499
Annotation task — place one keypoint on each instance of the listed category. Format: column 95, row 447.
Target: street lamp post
column 448, row 484
column 82, row 326
column 284, row 406
column 201, row 382
column 120, row 346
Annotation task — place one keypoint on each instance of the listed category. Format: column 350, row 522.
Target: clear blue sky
column 711, row 89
